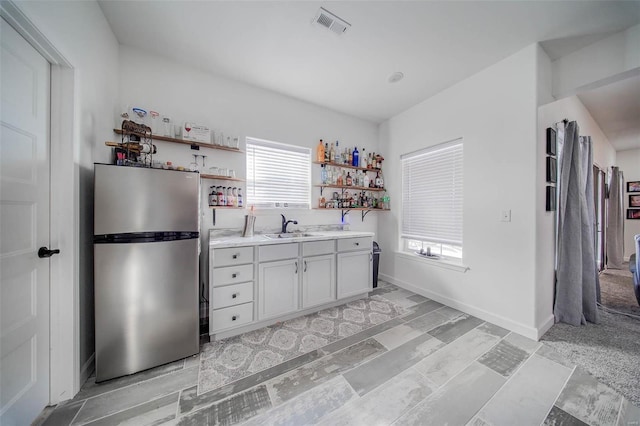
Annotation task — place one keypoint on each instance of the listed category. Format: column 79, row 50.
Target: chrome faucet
column 286, row 222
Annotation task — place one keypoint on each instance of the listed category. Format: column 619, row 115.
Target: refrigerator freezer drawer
column 138, row 199
column 233, row 316
column 146, row 311
column 232, row 295
column 232, row 275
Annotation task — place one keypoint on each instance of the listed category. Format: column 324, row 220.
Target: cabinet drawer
column 232, row 316
column 278, row 252
column 232, row 295
column 232, row 256
column 232, row 275
column 358, row 243
column 314, row 248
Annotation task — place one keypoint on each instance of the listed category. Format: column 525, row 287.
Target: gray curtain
column 576, row 274
column 615, row 220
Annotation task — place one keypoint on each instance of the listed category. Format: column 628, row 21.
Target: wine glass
column 187, row 128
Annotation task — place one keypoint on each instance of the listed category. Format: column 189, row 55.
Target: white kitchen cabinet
column 278, row 284
column 354, row 273
column 318, row 280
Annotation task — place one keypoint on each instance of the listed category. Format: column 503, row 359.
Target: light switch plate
column 505, row 216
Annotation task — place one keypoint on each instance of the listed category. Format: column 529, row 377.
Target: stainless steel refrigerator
column 146, row 249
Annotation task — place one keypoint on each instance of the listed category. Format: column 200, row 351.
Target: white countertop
column 259, row 240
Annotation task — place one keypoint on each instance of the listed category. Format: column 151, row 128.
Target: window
column 432, row 200
column 278, row 175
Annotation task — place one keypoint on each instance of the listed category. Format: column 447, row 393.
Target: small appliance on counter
column 146, row 248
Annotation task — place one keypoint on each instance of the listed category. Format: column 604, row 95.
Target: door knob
column 45, row 252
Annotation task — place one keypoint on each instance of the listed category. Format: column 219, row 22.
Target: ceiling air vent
column 331, row 22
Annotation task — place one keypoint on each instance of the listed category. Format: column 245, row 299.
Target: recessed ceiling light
column 395, row 77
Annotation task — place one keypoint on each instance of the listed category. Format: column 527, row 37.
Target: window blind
column 278, row 175
column 432, row 193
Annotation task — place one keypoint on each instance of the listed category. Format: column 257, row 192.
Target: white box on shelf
column 198, row 133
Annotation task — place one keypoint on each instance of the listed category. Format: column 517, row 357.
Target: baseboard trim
column 546, row 325
column 530, row 332
column 87, row 369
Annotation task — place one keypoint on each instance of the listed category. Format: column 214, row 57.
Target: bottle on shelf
column 240, row 201
column 369, row 161
column 378, row 180
column 350, row 157
column 336, row 155
column 349, row 180
column 332, row 153
column 213, row 196
column 355, row 157
column 374, row 164
column 326, row 152
column 323, row 174
column 381, row 179
column 320, row 151
column 340, row 181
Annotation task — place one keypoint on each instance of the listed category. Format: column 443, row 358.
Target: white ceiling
column 274, row 45
column 616, row 109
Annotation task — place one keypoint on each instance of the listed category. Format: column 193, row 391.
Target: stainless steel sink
column 289, row 235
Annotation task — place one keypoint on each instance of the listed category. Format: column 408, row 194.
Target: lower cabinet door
column 278, row 284
column 318, row 280
column 354, row 273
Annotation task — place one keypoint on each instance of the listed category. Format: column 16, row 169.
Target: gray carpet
column 616, row 290
column 610, row 350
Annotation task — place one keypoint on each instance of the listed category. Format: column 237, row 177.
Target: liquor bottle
column 336, row 156
column 363, row 159
column 320, row 151
column 374, row 164
column 240, row 202
column 350, row 160
column 381, row 180
column 340, row 180
column 326, row 153
column 365, row 182
column 229, row 197
column 355, row 157
column 369, row 161
column 332, row 153
column 349, row 180
column 378, row 180
column 323, row 174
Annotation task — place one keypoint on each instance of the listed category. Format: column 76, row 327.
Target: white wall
column 187, row 94
column 494, row 112
column 82, row 35
column 605, row 61
column 629, row 163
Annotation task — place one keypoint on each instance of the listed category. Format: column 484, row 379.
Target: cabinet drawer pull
column 357, row 244
column 235, row 256
column 235, row 274
column 235, row 317
column 234, row 295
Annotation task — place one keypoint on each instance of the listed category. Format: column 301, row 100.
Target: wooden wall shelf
column 347, row 166
column 216, row 177
column 184, row 142
column 358, row 188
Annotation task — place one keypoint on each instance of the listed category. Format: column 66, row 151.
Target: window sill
column 453, row 265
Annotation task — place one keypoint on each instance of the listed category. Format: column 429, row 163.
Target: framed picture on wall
column 633, row 186
column 551, row 198
column 552, row 170
column 634, row 200
column 633, row 214
column 551, row 141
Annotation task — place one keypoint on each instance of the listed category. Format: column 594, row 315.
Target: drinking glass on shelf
column 231, row 173
column 223, row 171
column 187, row 128
column 214, row 171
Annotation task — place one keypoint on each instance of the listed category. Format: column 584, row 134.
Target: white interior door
column 24, row 227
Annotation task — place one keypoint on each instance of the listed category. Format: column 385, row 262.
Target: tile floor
column 433, row 366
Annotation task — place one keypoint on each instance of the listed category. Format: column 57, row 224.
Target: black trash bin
column 376, row 262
